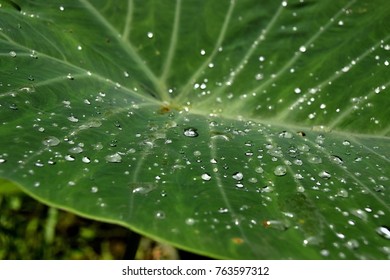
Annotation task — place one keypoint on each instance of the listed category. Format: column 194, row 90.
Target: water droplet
column 76, row 150
column 51, row 141
column 297, row 90
column 190, row 221
column 114, row 158
column 286, row 134
column 206, row 177
column 12, row 54
column 342, row 193
column 275, row 224
column 86, row 159
column 150, row 35
column 223, row 210
column 384, row 231
column 303, row 147
column 73, row 119
column 324, row 174
column 69, row 158
column 280, row 170
column 94, row 189
column 314, row 159
column 238, row 176
column 191, row 132
column 336, row 159
column 2, row 160
column 346, row 143
column 302, row 49
column 259, row 170
column 159, row 215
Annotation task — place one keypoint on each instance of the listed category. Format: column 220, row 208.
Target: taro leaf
column 234, row 129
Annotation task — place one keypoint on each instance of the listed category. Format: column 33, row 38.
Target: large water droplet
column 280, row 170
column 191, row 132
column 115, row 158
column 384, row 231
column 51, row 141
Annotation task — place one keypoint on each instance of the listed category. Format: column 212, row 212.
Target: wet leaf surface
column 236, row 130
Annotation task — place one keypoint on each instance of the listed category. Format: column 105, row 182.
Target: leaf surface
column 234, row 129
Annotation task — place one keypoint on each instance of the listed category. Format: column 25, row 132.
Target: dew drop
column 280, row 170
column 314, row 159
column 324, row 175
column 69, row 158
column 73, row 119
column 336, row 159
column 2, row 160
column 346, row 143
column 238, row 176
column 286, row 134
column 159, row 215
column 342, row 193
column 384, row 231
column 12, row 54
column 191, row 132
column 51, row 141
column 114, row 158
column 190, row 221
column 150, row 35
column 259, row 170
column 94, row 189
column 302, row 49
column 86, row 160
column 206, row 177
column 76, row 150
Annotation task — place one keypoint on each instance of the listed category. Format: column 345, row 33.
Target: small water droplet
column 342, row 193
column 223, row 210
column 159, row 215
column 286, row 134
column 191, row 132
column 190, row 221
column 384, row 231
column 302, row 49
column 51, row 141
column 259, row 170
column 114, row 158
column 346, row 143
column 206, row 177
column 12, row 54
column 275, row 224
column 2, row 160
column 303, row 147
column 150, row 35
column 280, row 170
column 69, row 158
column 238, row 176
column 314, row 159
column 86, row 159
column 324, row 174
column 73, row 119
column 94, row 189
column 336, row 159
column 76, row 150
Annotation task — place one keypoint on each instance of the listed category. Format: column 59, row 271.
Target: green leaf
column 234, row 129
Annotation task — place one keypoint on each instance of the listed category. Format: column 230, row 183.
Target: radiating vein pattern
column 238, row 130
